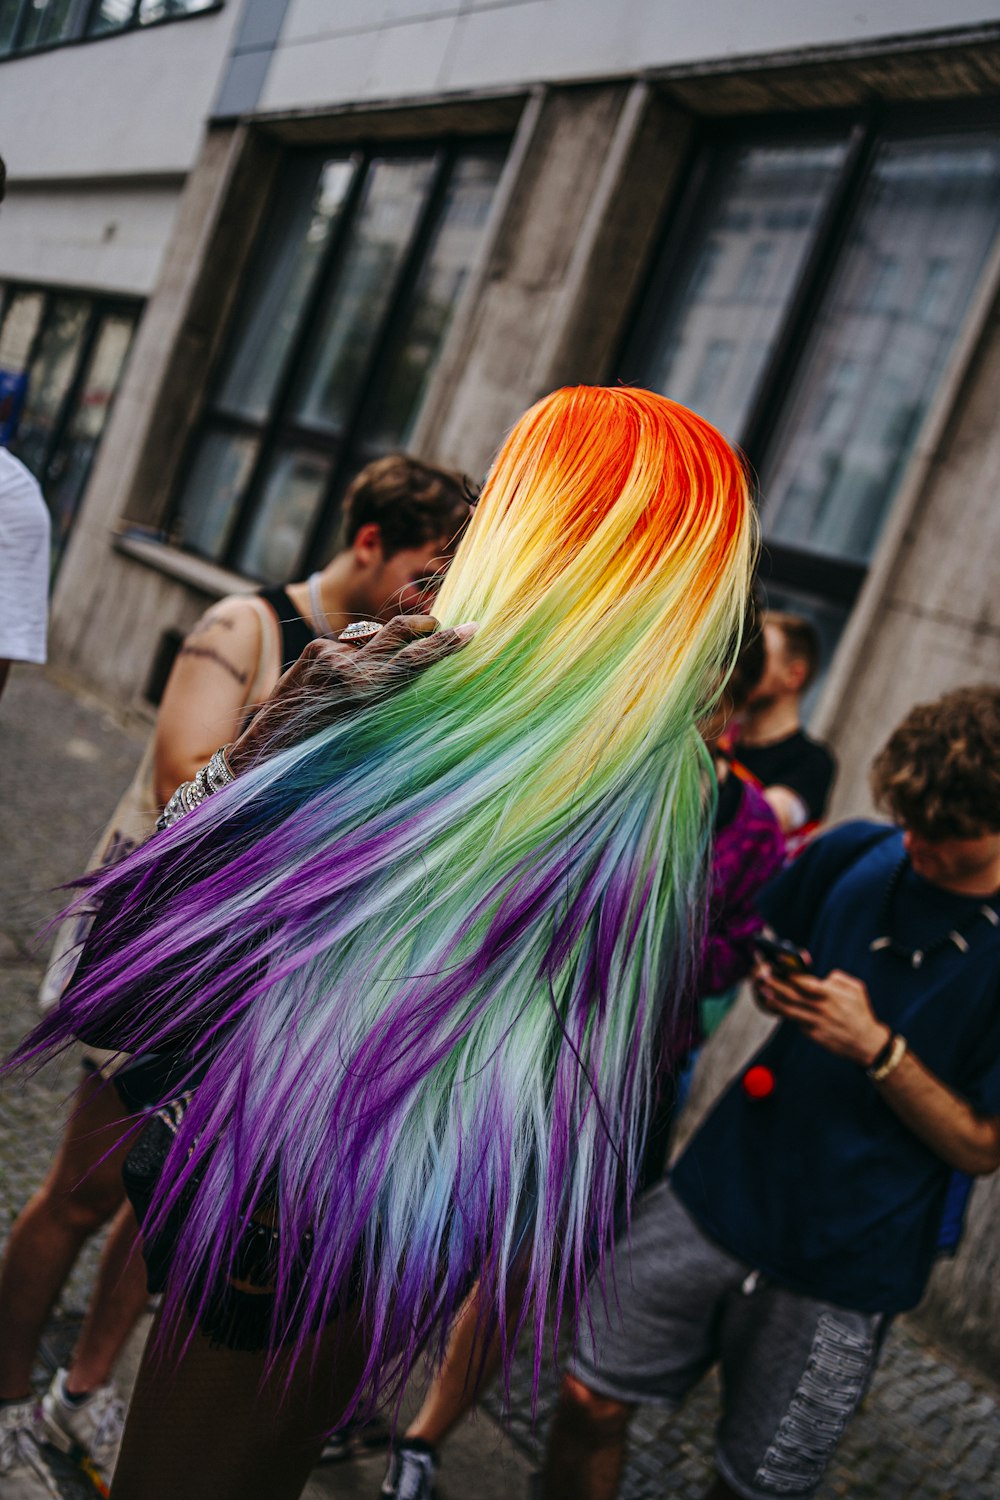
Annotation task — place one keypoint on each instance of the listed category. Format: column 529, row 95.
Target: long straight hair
column 419, row 961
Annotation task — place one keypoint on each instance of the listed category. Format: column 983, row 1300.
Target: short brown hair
column 411, row 503
column 939, row 772
column 801, row 641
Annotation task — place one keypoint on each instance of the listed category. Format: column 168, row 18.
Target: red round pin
column 758, row 1082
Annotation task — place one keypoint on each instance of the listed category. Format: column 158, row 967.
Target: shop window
column 68, row 352
column 821, row 357
column 345, row 310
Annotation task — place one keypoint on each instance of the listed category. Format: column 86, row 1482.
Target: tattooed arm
column 206, row 694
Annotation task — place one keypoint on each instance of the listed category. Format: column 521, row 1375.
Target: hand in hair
column 333, row 679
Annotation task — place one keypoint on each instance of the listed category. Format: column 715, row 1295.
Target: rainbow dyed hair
column 419, row 961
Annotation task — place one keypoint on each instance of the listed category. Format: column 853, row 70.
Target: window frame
column 82, row 16
column 830, row 580
column 281, row 431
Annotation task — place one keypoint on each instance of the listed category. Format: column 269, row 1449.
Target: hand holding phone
column 784, row 957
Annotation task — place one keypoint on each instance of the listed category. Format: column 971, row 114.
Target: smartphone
column 783, row 956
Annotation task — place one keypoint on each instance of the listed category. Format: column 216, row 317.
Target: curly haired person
column 796, row 1224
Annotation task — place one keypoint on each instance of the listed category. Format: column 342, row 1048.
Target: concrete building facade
column 342, row 228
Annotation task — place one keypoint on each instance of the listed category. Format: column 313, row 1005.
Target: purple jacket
column 748, row 850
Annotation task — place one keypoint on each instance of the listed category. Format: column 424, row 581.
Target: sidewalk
column 925, row 1430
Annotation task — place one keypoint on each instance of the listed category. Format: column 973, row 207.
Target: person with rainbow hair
column 747, row 851
column 411, row 967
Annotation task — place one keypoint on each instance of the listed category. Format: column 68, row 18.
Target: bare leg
column 206, row 1424
column 469, row 1366
column 586, row 1448
column 118, row 1299
column 80, row 1194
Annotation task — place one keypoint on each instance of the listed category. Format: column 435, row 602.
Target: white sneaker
column 93, row 1427
column 24, row 1474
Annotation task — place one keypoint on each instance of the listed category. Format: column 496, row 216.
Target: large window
column 355, row 282
column 807, row 300
column 69, row 350
column 28, row 25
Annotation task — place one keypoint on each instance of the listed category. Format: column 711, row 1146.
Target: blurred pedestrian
column 806, row 1209
column 795, row 771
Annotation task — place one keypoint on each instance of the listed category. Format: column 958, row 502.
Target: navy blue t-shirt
column 821, row 1186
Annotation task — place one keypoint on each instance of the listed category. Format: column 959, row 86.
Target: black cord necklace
column 917, row 957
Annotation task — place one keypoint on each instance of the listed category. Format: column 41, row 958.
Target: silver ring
column 360, row 631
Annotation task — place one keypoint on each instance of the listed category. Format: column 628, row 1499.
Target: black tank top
column 296, row 633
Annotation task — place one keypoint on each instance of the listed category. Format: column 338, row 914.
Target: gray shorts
column 793, row 1369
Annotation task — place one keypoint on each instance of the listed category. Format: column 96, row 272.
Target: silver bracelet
column 217, row 772
column 191, row 794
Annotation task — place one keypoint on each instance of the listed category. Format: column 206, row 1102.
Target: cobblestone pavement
column 63, row 766
column 926, row 1429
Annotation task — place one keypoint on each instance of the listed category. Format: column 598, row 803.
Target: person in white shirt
column 24, row 566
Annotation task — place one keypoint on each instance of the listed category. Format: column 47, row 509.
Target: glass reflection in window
column 162, row 10
column 111, row 15
column 725, row 301
column 929, row 216
column 9, row 12
column 115, row 15
column 209, row 510
column 351, row 324
column 52, row 370
column 281, row 281
column 69, row 468
column 291, row 496
column 45, row 21
column 446, row 268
